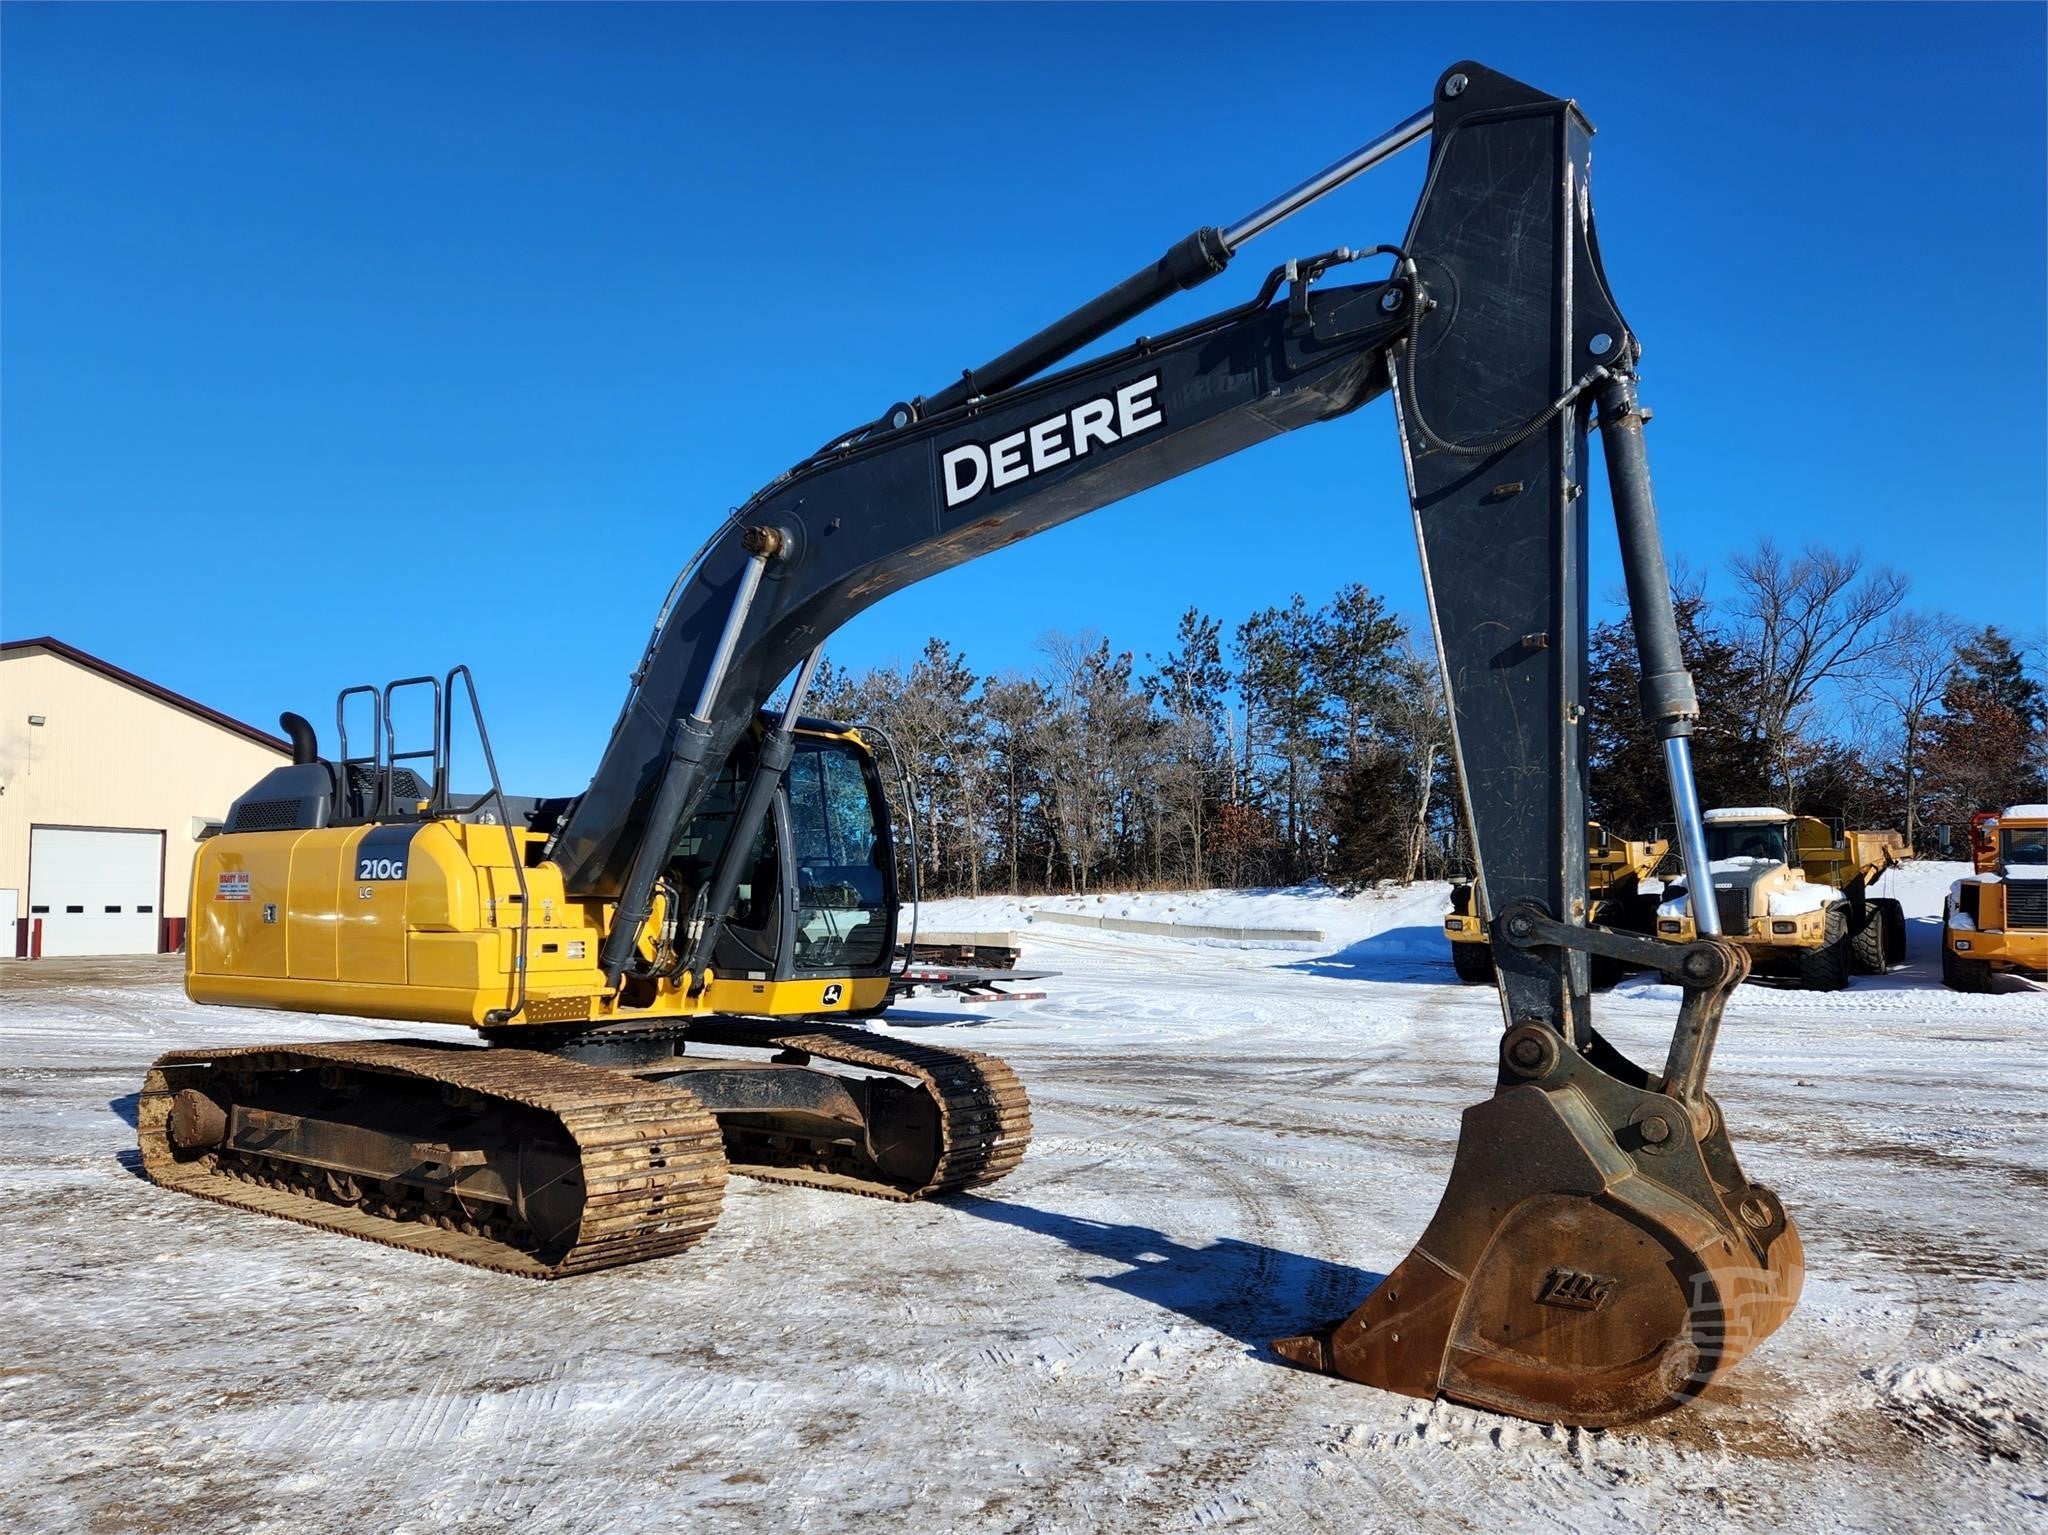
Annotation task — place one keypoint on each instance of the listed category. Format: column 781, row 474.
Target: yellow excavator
column 666, row 971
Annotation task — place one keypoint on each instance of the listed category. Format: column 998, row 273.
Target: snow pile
column 1959, row 919
column 1344, row 917
column 1800, row 900
column 1921, row 884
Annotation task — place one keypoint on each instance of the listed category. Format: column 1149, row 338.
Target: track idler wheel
column 1597, row 1258
column 197, row 1123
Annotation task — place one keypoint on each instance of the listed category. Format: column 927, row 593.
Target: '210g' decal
column 384, row 852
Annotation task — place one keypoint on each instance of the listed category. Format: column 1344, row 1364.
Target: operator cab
column 1754, row 834
column 817, row 890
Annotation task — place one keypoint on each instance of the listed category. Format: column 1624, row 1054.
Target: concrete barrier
column 1182, row 929
column 962, row 938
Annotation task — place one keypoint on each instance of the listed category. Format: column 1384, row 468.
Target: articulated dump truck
column 1796, row 896
column 1615, row 871
column 1996, row 920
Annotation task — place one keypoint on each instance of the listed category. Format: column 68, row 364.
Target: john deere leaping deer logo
column 1575, row 1291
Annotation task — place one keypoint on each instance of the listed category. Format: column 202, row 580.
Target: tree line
column 1311, row 742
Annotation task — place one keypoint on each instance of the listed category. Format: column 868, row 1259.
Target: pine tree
column 1986, row 751
column 1277, row 650
column 1015, row 708
column 1627, row 785
column 1355, row 643
column 939, row 699
column 1189, row 692
column 1993, row 665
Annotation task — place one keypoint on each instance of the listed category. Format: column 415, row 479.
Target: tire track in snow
column 1266, row 1427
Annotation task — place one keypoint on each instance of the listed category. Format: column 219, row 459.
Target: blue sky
column 346, row 343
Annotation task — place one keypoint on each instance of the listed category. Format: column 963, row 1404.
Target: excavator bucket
column 1597, row 1258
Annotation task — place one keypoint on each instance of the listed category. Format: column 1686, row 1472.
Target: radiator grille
column 557, row 1009
column 1734, row 908
column 2026, row 903
column 265, row 815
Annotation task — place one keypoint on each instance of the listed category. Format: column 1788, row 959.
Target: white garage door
column 95, row 892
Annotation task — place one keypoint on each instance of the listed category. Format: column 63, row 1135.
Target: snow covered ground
column 1233, row 1142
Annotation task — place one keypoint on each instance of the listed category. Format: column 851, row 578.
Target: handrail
column 438, row 791
column 503, row 1015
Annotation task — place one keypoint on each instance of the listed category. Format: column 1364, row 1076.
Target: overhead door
column 95, row 891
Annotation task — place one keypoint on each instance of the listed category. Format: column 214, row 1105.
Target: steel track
column 984, row 1113
column 650, row 1155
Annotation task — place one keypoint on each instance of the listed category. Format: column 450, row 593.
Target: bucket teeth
column 1310, row 1350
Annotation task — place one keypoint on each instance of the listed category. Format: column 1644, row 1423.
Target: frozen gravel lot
column 1233, row 1142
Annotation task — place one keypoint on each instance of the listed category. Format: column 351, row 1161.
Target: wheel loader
column 1797, row 897
column 662, row 969
column 1615, row 871
column 1995, row 920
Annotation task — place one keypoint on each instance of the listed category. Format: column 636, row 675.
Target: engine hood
column 1747, row 873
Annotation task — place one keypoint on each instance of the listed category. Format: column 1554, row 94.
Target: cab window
column 2025, row 845
column 1747, row 841
column 698, row 848
column 842, row 883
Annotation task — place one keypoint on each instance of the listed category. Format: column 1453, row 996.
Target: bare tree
column 1807, row 622
column 1920, row 654
column 1413, row 710
column 1088, row 746
column 1188, row 690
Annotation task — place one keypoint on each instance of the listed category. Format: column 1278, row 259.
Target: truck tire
column 1827, row 967
column 1959, row 974
column 1894, row 928
column 1644, row 916
column 1629, row 914
column 1473, row 962
column 1870, row 945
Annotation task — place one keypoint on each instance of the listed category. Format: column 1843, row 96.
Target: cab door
column 841, row 866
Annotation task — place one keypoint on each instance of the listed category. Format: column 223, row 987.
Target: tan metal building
column 106, row 783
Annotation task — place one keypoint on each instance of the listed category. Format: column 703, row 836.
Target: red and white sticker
column 234, row 886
